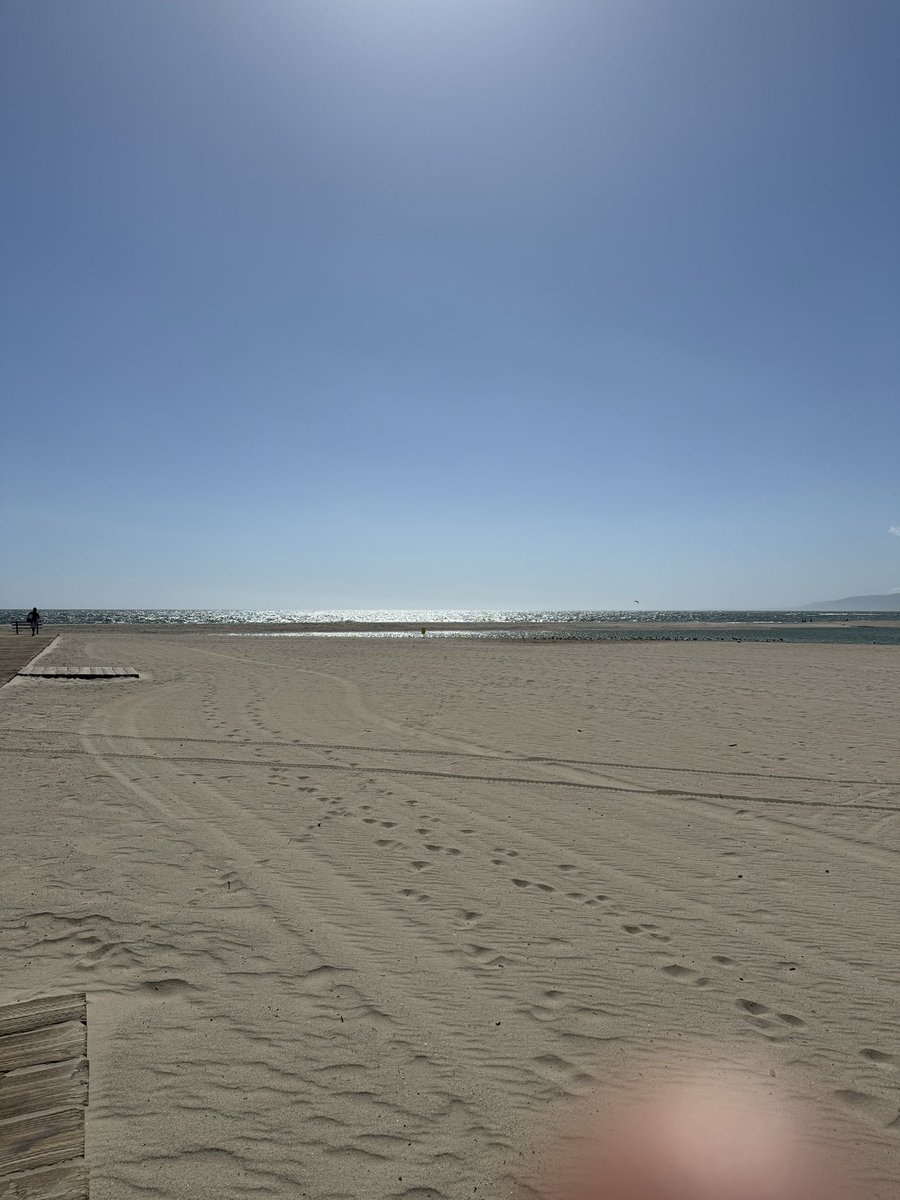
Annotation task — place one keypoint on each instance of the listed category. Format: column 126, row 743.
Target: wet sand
column 364, row 918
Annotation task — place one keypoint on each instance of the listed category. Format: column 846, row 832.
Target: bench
column 25, row 625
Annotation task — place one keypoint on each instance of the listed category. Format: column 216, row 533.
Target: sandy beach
column 369, row 918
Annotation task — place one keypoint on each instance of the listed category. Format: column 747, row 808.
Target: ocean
column 881, row 628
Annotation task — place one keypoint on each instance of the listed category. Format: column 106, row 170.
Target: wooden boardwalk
column 16, row 652
column 43, row 1099
column 58, row 672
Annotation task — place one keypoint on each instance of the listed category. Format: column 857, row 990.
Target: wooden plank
column 47, row 1010
column 56, row 1085
column 36, row 1046
column 17, row 652
column 41, row 1141
column 43, row 1095
column 68, row 1181
column 87, row 672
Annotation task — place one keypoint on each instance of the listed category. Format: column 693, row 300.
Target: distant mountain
column 886, row 603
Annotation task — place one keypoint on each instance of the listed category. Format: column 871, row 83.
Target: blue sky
column 365, row 303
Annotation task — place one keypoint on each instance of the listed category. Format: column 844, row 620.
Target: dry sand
column 359, row 918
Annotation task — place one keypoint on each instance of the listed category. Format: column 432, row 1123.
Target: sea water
column 558, row 625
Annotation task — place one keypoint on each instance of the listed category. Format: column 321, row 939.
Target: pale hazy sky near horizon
column 449, row 303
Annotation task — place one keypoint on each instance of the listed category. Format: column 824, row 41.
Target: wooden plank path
column 58, row 672
column 43, row 1099
column 16, row 652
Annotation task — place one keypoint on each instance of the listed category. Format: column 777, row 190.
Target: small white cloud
column 895, row 530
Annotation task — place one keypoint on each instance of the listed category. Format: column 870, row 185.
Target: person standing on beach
column 34, row 620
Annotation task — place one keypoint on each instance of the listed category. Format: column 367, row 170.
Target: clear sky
column 401, row 303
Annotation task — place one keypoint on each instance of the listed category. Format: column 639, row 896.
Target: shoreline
column 514, row 627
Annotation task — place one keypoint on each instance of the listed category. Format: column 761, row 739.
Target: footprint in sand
column 468, row 915
column 651, row 930
column 483, row 957
column 881, row 1057
column 167, row 987
column 763, row 1018
column 562, row 1073
column 685, row 975
column 551, row 1003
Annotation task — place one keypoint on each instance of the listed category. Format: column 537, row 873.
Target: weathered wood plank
column 88, row 672
column 38, row 1046
column 15, row 652
column 47, row 1010
column 68, row 1181
column 55, row 1085
column 41, row 1141
column 43, row 1095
